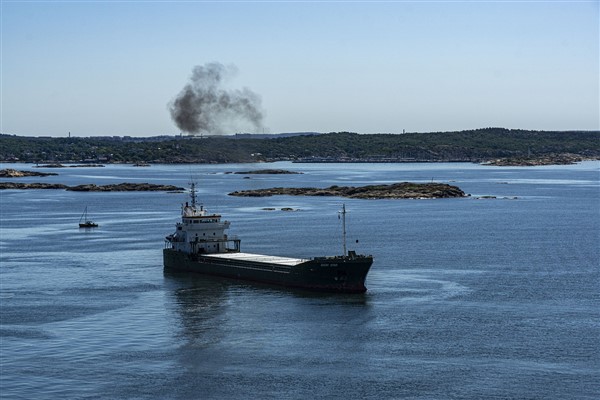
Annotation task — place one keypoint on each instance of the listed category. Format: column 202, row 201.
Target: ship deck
column 258, row 258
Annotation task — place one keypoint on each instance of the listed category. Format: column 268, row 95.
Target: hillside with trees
column 481, row 145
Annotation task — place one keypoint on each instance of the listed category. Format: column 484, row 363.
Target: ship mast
column 193, row 194
column 343, row 212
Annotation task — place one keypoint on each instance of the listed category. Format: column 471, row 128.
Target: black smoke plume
column 204, row 105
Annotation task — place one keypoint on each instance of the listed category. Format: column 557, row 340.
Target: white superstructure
column 200, row 232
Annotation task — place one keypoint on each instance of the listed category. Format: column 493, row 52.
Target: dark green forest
column 474, row 145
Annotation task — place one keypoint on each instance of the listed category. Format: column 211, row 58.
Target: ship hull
column 327, row 274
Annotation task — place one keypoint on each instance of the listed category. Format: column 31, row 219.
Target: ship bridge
column 201, row 232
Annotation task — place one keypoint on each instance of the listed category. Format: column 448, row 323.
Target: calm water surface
column 468, row 298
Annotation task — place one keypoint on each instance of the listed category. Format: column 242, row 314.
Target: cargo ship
column 200, row 244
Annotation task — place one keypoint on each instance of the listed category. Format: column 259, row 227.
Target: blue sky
column 112, row 67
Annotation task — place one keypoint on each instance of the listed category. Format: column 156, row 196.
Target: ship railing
column 214, row 240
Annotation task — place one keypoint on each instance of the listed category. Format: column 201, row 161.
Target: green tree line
column 473, row 145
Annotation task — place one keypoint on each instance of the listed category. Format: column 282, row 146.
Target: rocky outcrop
column 13, row 173
column 120, row 187
column 403, row 190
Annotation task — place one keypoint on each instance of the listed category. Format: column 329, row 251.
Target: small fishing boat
column 85, row 222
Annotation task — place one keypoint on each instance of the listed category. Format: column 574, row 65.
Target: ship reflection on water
column 207, row 304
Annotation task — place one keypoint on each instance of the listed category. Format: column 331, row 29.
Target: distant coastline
column 489, row 146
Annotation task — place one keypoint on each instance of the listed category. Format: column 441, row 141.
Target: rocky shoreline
column 119, row 187
column 403, row 190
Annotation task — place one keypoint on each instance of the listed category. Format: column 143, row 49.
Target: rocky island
column 403, row 190
column 13, row 173
column 550, row 159
column 37, row 185
column 70, row 166
column 265, row 171
column 126, row 187
column 119, row 187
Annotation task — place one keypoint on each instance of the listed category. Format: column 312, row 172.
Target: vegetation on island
column 480, row 145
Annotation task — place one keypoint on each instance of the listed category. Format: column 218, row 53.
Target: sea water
column 467, row 298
